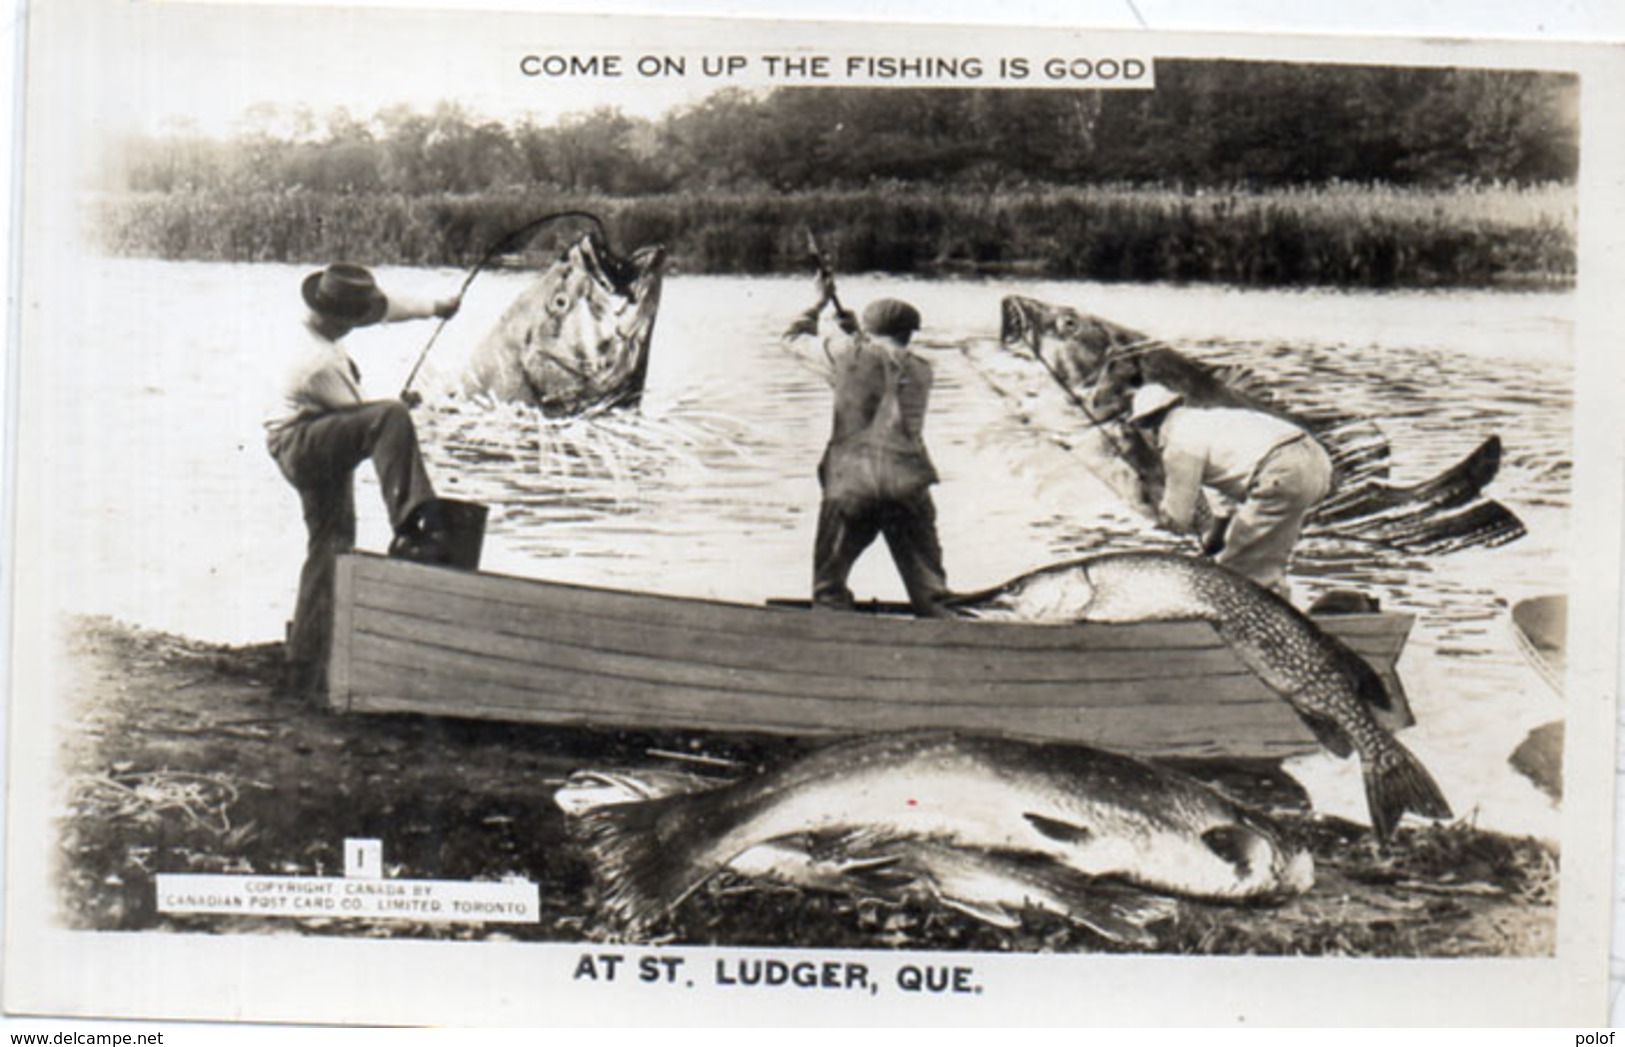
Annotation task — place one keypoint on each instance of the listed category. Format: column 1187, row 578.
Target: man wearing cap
column 1272, row 472
column 875, row 473
column 323, row 428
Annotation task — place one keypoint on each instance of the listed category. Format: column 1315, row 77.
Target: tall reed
column 1344, row 235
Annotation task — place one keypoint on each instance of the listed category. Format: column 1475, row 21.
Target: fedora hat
column 346, row 292
column 1152, row 399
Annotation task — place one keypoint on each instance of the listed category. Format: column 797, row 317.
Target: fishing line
column 507, row 242
column 1099, row 423
column 1094, row 422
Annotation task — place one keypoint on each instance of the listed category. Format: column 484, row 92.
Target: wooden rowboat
column 444, row 642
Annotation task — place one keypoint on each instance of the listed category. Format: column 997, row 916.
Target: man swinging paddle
column 875, row 473
column 322, row 430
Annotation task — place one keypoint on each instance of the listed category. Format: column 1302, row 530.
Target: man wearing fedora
column 875, row 473
column 323, row 429
column 1268, row 474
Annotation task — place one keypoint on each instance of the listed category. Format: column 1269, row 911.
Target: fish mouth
column 577, row 339
column 1019, row 320
column 623, row 276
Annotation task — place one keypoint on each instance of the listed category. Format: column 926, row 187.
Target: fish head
column 1053, row 596
column 1169, row 840
column 1071, row 343
column 1116, row 816
column 1248, row 858
column 1119, row 376
column 578, row 338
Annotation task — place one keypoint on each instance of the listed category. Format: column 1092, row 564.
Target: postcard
column 558, row 519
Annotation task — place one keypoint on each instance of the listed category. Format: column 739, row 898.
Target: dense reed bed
column 1339, row 235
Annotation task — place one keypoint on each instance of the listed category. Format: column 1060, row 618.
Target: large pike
column 1098, row 364
column 1114, row 454
column 1092, row 813
column 1329, row 686
column 577, row 339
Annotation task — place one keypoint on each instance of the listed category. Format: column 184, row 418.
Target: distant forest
column 1262, row 174
column 1207, row 124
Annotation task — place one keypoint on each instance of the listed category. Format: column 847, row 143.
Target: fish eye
column 1066, row 324
column 559, row 303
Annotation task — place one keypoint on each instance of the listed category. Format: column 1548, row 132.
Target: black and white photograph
column 545, row 518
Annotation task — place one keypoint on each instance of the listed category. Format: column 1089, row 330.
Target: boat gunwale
column 1395, row 623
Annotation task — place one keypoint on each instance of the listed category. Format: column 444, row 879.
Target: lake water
column 166, row 511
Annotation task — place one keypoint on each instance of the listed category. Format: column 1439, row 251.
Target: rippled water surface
column 166, row 511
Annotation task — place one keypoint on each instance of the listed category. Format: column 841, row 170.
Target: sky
column 157, row 65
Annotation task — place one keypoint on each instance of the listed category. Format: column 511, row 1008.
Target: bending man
column 322, row 430
column 1270, row 471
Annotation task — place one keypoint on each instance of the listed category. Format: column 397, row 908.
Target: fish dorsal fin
column 1055, row 829
column 1233, row 844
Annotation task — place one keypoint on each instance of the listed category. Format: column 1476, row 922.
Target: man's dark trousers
column 319, row 456
column 848, row 526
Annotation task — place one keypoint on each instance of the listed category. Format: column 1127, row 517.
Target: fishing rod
column 1096, row 422
column 504, row 244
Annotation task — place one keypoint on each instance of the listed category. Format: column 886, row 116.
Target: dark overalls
column 877, row 476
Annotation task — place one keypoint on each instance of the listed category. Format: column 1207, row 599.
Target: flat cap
column 892, row 318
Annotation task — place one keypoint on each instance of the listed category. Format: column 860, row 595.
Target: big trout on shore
column 1093, row 813
column 578, row 338
column 1329, row 686
column 995, row 887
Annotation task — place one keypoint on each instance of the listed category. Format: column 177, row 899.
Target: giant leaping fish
column 577, row 339
column 1095, row 365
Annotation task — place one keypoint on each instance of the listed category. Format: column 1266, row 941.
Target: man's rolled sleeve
column 1182, row 472
column 819, row 342
column 399, row 308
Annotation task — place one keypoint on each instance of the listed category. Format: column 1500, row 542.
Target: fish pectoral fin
column 987, row 912
column 856, row 846
column 884, row 875
column 1119, row 914
column 1055, row 829
column 1328, row 732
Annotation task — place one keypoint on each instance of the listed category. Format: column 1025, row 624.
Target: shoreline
column 182, row 757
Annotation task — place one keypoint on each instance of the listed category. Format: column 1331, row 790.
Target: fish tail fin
column 642, row 859
column 1396, row 782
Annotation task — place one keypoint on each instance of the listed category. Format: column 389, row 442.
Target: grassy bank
column 1354, row 236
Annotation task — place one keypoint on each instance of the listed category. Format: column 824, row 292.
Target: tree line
column 1232, row 125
